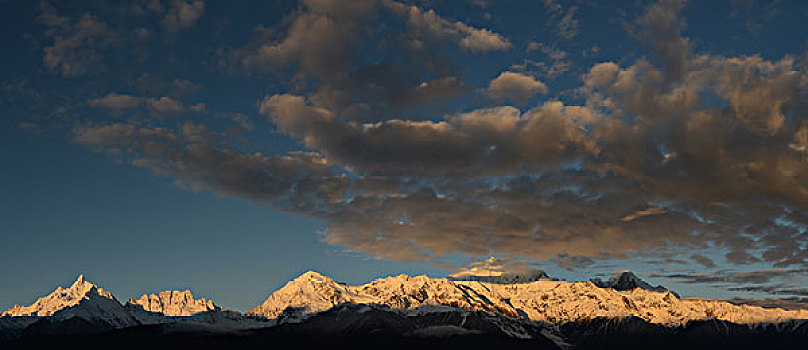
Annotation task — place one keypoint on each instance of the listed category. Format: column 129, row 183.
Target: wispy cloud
column 161, row 107
column 778, row 285
column 77, row 45
column 565, row 21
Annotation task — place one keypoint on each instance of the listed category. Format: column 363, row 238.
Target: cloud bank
column 676, row 151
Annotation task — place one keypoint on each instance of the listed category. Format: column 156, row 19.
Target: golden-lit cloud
column 679, row 150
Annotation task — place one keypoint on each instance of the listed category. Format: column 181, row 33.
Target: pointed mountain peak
column 627, row 280
column 61, row 298
column 313, row 276
column 621, row 280
column 80, row 281
column 82, row 287
column 309, row 292
column 626, row 276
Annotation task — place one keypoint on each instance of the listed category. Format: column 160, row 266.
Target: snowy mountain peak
column 81, row 300
column 309, row 292
column 313, row 276
column 173, row 303
column 624, row 275
column 59, row 299
column 627, row 280
column 541, row 301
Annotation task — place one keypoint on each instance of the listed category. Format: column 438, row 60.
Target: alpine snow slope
column 538, row 301
column 314, row 310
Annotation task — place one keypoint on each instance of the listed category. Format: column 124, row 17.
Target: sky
column 227, row 148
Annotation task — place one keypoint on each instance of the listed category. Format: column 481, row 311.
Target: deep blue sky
column 155, row 145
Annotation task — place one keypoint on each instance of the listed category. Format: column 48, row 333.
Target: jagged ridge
column 59, row 299
column 82, row 300
column 173, row 303
column 540, row 301
column 89, row 307
column 627, row 280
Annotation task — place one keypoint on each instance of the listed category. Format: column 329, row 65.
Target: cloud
column 439, row 89
column 677, row 152
column 661, row 30
column 85, row 44
column 429, row 24
column 349, row 82
column 566, row 261
column 515, row 87
column 652, row 210
column 556, row 61
column 792, row 303
column 151, row 84
column 161, row 107
column 190, row 156
column 374, row 70
column 525, row 216
column 690, row 150
column 341, row 9
column 240, row 119
column 703, row 260
column 756, row 277
column 499, row 270
column 116, row 101
column 481, row 3
column 771, row 287
column 78, row 46
column 182, row 15
column 168, row 106
column 702, row 145
column 493, row 140
column 650, row 132
column 310, row 37
column 567, row 25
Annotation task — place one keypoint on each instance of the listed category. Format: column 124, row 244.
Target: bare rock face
column 174, row 303
column 180, row 307
column 627, row 280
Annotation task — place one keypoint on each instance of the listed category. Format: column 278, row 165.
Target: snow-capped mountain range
column 522, row 310
column 61, row 298
column 540, row 301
